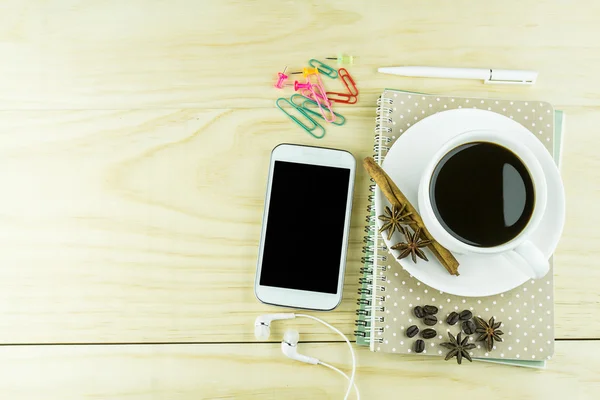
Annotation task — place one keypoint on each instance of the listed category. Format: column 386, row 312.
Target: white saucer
column 480, row 275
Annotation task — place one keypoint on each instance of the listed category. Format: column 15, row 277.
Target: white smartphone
column 306, row 222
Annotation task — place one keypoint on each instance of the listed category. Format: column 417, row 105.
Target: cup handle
column 534, row 264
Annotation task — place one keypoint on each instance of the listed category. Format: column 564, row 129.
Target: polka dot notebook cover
column 388, row 294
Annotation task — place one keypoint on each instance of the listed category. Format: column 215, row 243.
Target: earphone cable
column 333, row 328
column 343, row 374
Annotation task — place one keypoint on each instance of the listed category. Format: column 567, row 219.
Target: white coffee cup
column 526, row 256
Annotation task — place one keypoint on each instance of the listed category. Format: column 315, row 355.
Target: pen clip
column 511, row 77
column 501, row 82
column 507, row 82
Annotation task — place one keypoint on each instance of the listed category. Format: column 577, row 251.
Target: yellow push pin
column 306, row 71
column 342, row 59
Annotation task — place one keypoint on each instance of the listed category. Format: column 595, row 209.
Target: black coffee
column 482, row 194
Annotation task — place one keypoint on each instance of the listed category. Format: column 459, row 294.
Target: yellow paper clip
column 310, row 129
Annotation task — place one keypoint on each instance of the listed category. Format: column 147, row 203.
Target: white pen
column 488, row 75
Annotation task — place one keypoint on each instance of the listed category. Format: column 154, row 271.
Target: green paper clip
column 339, row 120
column 301, row 110
column 323, row 68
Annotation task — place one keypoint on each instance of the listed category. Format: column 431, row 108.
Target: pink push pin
column 299, row 85
column 281, row 79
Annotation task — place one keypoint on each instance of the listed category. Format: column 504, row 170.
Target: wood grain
column 195, row 372
column 143, row 225
column 133, row 226
column 71, row 54
column 134, row 146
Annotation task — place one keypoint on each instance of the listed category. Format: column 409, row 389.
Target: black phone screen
column 305, row 227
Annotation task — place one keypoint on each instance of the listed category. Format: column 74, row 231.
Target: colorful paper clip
column 317, row 93
column 348, row 98
column 339, row 121
column 306, row 71
column 342, row 59
column 320, row 95
column 281, row 78
column 348, row 81
column 323, row 68
column 316, row 96
column 314, row 125
column 345, row 98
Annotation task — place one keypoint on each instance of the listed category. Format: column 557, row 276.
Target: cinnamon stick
column 396, row 197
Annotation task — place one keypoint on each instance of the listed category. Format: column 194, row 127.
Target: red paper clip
column 348, row 81
column 346, row 98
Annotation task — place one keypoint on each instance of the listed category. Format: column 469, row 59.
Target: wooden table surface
column 134, row 147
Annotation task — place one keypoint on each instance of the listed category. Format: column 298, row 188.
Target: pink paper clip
column 308, row 93
column 281, row 78
column 320, row 96
column 316, row 93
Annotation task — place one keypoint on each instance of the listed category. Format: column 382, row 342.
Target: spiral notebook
column 388, row 293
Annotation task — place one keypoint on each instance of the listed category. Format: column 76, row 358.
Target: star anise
column 459, row 348
column 489, row 332
column 393, row 219
column 413, row 245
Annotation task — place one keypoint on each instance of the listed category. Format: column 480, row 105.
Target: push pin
column 282, row 77
column 300, row 85
column 306, row 71
column 342, row 59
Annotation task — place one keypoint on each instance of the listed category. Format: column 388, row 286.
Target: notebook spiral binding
column 372, row 280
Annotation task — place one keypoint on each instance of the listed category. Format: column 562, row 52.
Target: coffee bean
column 452, row 318
column 412, row 331
column 428, row 333
column 418, row 311
column 466, row 315
column 430, row 320
column 468, row 327
column 431, row 310
column 419, row 346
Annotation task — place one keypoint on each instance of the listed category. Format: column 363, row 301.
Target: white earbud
column 289, row 347
column 262, row 324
